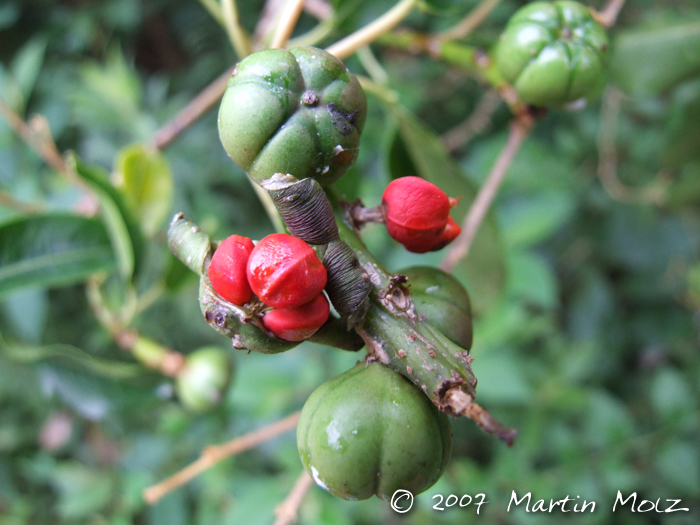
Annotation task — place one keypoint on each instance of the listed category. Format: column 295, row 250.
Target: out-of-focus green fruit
column 205, row 378
column 553, row 53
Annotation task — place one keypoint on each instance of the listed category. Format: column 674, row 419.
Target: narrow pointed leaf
column 52, row 250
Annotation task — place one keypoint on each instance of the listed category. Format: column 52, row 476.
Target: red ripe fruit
column 300, row 322
column 285, row 272
column 416, row 213
column 227, row 270
column 449, row 234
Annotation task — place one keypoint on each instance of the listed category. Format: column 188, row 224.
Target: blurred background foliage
column 587, row 280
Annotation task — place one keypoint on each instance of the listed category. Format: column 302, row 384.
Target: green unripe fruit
column 370, row 431
column 443, row 300
column 297, row 111
column 553, row 53
column 203, row 381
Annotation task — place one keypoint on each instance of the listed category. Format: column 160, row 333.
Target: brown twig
column 286, row 512
column 607, row 154
column 319, row 9
column 214, row 454
column 478, row 121
column 287, row 22
column 192, row 112
column 369, row 33
column 608, row 15
column 361, row 216
column 266, row 22
column 475, row 17
column 9, row 201
column 462, row 403
column 37, row 135
column 519, row 129
column 237, row 35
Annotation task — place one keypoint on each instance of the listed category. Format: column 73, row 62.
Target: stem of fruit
column 519, row 129
column 286, row 512
column 288, row 21
column 157, row 357
column 351, row 43
column 397, row 335
column 193, row 111
column 608, row 15
column 361, row 215
column 215, row 454
column 461, row 55
column 214, row 9
column 235, row 31
column 475, row 17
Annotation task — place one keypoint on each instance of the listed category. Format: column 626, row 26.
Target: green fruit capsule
column 443, row 300
column 297, row 111
column 370, row 431
column 553, row 53
column 203, row 381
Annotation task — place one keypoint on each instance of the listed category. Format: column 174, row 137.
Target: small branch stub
column 188, row 243
column 462, row 403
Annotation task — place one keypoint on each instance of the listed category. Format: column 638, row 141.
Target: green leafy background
column 587, row 334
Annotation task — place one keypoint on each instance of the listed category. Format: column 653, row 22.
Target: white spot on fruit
column 318, row 479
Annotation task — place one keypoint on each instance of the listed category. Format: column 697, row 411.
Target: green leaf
column 93, row 396
column 147, row 184
column 531, row 220
column 124, row 232
column 651, row 60
column 502, row 378
column 531, row 278
column 27, row 65
column 32, row 353
column 52, row 250
column 419, row 151
column 679, row 464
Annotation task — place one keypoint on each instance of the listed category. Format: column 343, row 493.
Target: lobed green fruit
column 297, row 111
column 553, row 53
column 443, row 300
column 370, row 431
column 205, row 378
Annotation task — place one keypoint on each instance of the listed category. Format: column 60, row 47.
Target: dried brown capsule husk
column 304, row 208
column 348, row 284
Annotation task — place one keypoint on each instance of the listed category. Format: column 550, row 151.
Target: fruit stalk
column 397, row 335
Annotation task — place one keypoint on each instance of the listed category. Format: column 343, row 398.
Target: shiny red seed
column 449, row 234
column 416, row 213
column 298, row 323
column 227, row 270
column 285, row 272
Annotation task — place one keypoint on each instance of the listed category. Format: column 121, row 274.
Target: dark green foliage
column 586, row 300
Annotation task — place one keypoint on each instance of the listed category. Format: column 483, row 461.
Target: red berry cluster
column 284, row 272
column 417, row 214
